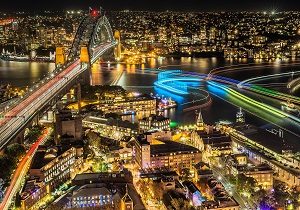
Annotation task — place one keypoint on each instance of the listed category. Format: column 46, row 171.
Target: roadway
column 21, row 172
column 18, row 116
column 245, row 204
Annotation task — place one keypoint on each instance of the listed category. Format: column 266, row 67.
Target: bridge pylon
column 84, row 55
column 118, row 49
column 60, row 57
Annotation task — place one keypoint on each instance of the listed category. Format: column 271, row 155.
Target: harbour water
column 141, row 78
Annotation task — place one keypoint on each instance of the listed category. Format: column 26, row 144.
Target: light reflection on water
column 22, row 74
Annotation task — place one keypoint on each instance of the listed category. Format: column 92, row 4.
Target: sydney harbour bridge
column 93, row 38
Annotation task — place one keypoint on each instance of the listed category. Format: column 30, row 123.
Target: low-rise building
column 121, row 154
column 67, row 125
column 164, row 153
column 193, row 193
column 202, row 171
column 109, row 196
column 173, row 199
column 32, row 192
column 259, row 146
column 142, row 106
column 55, row 165
column 212, row 142
column 91, row 196
column 221, row 199
column 109, row 127
column 154, row 122
column 105, row 190
column 262, row 173
column 103, row 177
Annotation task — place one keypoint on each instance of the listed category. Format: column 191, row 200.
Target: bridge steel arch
column 94, row 33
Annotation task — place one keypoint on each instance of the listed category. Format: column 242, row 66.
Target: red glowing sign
column 95, row 13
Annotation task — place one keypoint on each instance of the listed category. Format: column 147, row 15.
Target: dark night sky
column 197, row 5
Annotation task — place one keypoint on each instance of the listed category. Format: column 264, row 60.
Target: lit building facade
column 33, row 192
column 154, row 122
column 212, row 142
column 262, row 173
column 256, row 144
column 91, row 196
column 55, row 166
column 141, row 106
column 165, row 153
column 110, row 128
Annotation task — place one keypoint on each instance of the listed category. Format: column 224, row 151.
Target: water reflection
column 96, row 78
column 22, row 73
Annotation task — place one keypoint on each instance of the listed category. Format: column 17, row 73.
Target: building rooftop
column 171, row 195
column 155, row 118
column 157, row 174
column 262, row 137
column 262, row 168
column 171, row 147
column 31, row 187
column 90, row 191
column 221, row 197
column 103, row 177
column 190, row 186
column 214, row 137
column 44, row 155
column 111, row 122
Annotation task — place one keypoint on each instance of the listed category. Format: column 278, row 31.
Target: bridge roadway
column 14, row 120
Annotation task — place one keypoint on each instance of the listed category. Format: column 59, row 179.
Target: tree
column 180, row 204
column 245, row 183
column 259, row 195
column 185, row 173
column 113, row 116
column 18, row 200
column 281, row 193
column 7, row 165
column 144, row 188
column 15, row 151
column 34, row 133
column 157, row 191
column 1, row 188
column 94, row 139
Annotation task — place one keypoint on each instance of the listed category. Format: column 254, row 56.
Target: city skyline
column 155, row 5
column 150, row 105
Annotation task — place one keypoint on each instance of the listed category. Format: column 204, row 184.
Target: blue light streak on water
column 167, row 94
column 217, row 90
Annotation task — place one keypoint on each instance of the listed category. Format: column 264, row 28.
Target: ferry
column 165, row 104
column 289, row 107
